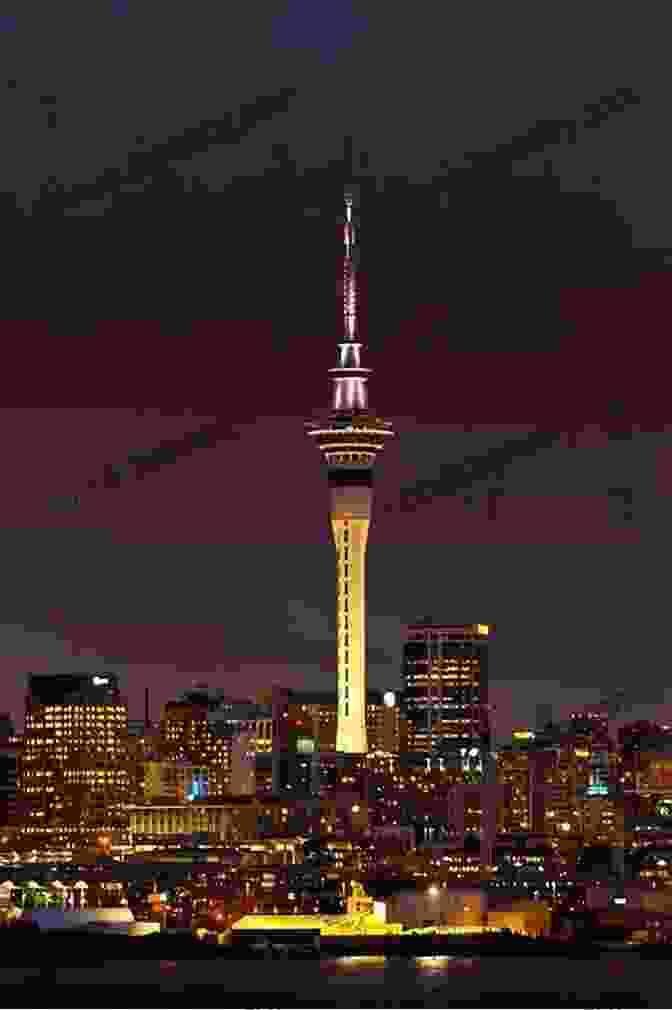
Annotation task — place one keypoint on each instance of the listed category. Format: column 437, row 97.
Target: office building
column 445, row 695
column 9, row 772
column 200, row 730
column 528, row 769
column 243, row 780
column 175, row 780
column 75, row 771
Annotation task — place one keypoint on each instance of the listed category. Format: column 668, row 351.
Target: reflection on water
column 612, row 980
column 434, row 959
column 360, row 960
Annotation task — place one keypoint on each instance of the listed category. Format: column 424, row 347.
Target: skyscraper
column 445, row 669
column 75, row 772
column 349, row 437
column 9, row 765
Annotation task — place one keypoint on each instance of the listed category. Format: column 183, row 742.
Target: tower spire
column 349, row 278
column 349, row 378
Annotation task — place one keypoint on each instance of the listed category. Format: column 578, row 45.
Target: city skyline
column 176, row 244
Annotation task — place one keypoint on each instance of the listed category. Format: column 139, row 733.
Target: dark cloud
column 459, row 477
column 547, row 133
column 153, row 168
column 141, row 462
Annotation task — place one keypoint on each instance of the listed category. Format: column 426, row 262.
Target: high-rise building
column 349, row 437
column 174, row 780
column 9, row 771
column 141, row 746
column 199, row 730
column 445, row 696
column 243, row 764
column 527, row 769
column 74, row 771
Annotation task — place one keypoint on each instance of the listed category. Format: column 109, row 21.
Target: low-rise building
column 463, row 907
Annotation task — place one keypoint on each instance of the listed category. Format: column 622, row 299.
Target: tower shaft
column 350, row 513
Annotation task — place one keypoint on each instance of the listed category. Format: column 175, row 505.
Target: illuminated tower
column 349, row 437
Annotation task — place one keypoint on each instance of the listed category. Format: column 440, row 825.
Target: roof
column 57, row 918
column 285, row 922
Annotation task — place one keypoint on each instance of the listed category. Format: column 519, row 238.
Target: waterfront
column 610, row 980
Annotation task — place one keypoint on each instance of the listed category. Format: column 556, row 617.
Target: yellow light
column 483, row 629
column 372, row 958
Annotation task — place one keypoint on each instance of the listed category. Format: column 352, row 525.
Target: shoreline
column 177, row 946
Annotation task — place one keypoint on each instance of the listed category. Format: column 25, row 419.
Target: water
column 608, row 980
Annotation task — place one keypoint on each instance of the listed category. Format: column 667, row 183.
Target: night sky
column 171, row 187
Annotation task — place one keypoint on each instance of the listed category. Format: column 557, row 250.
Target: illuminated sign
column 664, row 808
column 523, row 734
column 389, row 699
column 483, row 629
column 100, row 680
column 597, row 790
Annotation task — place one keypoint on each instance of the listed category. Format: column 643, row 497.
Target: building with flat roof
column 75, row 771
column 445, row 695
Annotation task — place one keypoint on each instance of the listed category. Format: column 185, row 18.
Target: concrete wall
column 448, row 907
column 531, row 917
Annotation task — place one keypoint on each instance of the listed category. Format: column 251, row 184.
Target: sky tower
column 349, row 436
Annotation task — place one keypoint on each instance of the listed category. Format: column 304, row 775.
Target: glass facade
column 445, row 674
